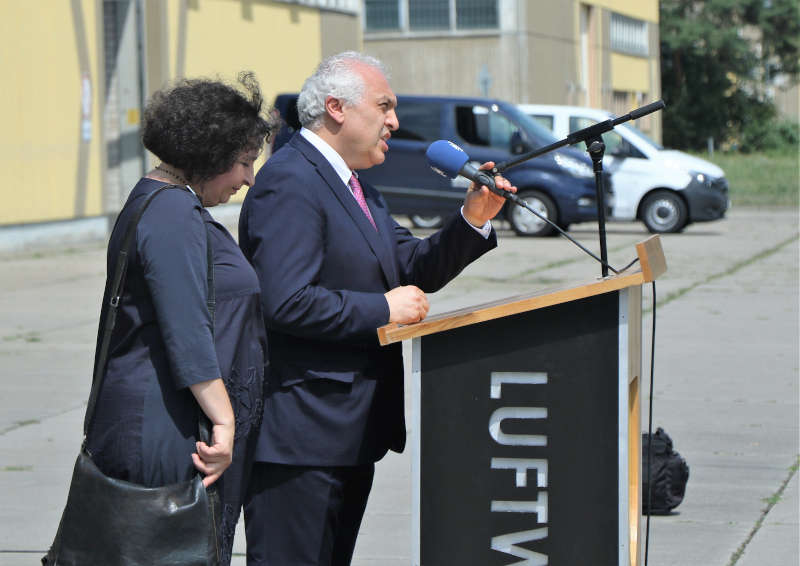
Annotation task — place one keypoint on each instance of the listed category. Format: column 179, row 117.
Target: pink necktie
column 358, row 192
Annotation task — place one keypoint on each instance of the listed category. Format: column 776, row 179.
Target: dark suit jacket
column 335, row 396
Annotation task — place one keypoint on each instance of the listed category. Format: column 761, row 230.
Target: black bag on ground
column 668, row 475
column 111, row 522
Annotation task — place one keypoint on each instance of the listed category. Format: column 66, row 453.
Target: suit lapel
column 375, row 239
column 385, row 230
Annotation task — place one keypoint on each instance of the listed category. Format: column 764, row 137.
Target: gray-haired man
column 334, row 266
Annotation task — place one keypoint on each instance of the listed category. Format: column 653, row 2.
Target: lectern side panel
column 633, row 296
column 416, row 431
column 519, row 443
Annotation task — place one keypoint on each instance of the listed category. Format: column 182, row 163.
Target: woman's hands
column 214, row 459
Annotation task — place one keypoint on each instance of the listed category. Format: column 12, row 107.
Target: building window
column 430, row 15
column 629, row 35
column 349, row 6
column 476, row 14
column 382, row 15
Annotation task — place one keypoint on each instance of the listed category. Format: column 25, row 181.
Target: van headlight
column 702, row 179
column 573, row 166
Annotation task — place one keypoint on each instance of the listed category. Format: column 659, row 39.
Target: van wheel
column 422, row 221
column 664, row 212
column 526, row 224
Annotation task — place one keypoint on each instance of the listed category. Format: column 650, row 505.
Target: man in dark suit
column 333, row 267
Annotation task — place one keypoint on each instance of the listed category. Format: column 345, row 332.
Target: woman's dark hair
column 202, row 126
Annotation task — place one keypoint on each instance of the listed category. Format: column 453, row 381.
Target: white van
column 665, row 189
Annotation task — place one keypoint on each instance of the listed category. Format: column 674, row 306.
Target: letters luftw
column 508, row 542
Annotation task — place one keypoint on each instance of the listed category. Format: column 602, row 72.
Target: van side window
column 479, row 125
column 419, row 121
column 544, row 119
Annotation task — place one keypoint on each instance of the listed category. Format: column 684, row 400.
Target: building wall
column 339, row 32
column 646, row 10
column 788, row 102
column 54, row 146
column 50, row 160
column 441, row 65
column 280, row 44
column 535, row 56
column 551, row 58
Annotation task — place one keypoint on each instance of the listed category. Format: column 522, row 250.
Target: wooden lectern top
column 652, row 266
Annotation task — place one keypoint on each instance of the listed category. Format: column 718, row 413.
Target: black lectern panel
column 519, row 434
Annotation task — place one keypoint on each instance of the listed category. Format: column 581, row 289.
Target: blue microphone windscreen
column 446, row 158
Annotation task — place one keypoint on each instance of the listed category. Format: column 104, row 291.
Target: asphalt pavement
column 726, row 383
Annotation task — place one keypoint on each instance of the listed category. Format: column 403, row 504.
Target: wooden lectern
column 525, row 429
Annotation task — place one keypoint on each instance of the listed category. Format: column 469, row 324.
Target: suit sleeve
column 430, row 263
column 283, row 236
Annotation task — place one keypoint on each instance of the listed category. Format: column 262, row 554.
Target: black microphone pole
column 596, row 148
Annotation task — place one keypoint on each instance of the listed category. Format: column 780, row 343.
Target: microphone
column 449, row 160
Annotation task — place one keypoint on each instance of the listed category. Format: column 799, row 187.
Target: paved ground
column 726, row 384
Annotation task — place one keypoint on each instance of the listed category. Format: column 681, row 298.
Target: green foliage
column 780, row 22
column 773, row 135
column 790, row 136
column 759, row 132
column 760, row 179
column 713, row 76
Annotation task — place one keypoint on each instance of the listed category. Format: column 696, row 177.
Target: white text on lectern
column 508, row 542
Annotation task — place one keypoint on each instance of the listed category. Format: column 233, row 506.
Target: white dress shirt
column 344, row 172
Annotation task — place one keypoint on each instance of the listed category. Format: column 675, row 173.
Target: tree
column 716, row 57
column 779, row 21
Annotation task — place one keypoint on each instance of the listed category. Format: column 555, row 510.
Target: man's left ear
column 335, row 109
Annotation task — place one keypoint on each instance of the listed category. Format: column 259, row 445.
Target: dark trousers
column 304, row 516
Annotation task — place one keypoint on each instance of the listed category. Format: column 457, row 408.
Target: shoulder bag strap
column 203, row 422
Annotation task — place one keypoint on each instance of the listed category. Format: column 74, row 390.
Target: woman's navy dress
column 164, row 340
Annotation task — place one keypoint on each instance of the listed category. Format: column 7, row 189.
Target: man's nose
column 391, row 120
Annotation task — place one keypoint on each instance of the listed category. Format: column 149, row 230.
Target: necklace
column 170, row 173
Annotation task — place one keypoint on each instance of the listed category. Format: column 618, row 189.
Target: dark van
column 558, row 185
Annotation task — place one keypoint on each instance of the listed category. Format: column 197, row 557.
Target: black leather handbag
column 111, row 522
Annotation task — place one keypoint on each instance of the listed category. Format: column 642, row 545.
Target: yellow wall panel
column 49, row 172
column 630, row 74
column 280, row 44
column 646, row 10
column 41, row 135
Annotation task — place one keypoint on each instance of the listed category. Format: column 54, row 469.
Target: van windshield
column 540, row 136
column 501, row 127
column 642, row 135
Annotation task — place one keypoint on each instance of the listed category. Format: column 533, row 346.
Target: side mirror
column 517, row 145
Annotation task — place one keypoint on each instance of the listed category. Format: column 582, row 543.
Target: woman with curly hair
column 168, row 354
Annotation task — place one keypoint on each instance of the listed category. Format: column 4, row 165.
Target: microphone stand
column 596, row 148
